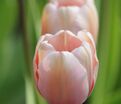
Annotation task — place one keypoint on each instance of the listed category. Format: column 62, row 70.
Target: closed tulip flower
column 73, row 15
column 65, row 67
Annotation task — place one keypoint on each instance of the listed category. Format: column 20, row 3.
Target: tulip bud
column 73, row 15
column 69, row 2
column 65, row 67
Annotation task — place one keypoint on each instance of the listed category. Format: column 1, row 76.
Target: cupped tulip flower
column 65, row 67
column 73, row 15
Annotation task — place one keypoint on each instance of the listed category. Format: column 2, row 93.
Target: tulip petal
column 68, row 41
column 70, row 16
column 69, row 2
column 50, row 15
column 86, row 36
column 71, row 21
column 65, row 17
column 93, row 20
column 42, row 50
column 84, row 55
column 63, row 80
column 45, row 37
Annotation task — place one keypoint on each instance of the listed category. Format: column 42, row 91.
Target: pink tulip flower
column 65, row 67
column 73, row 15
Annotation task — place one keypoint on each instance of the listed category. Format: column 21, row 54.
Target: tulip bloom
column 65, row 67
column 73, row 15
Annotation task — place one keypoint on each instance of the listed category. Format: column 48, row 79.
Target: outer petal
column 87, row 37
column 93, row 19
column 42, row 49
column 50, row 15
column 84, row 55
column 63, row 80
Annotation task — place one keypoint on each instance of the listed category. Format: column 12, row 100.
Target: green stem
column 30, row 91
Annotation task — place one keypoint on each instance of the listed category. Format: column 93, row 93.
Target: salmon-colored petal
column 84, row 55
column 86, row 36
column 63, row 80
column 45, row 37
column 42, row 50
column 50, row 15
column 69, row 2
column 73, row 18
column 64, row 41
column 87, row 56
column 43, row 47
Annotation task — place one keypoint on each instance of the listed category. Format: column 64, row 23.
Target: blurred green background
column 19, row 32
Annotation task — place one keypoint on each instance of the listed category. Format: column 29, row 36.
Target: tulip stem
column 30, row 91
column 25, row 36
